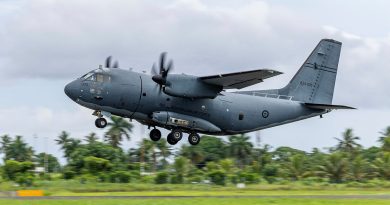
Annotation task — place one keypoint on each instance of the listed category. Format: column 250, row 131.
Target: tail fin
column 315, row 80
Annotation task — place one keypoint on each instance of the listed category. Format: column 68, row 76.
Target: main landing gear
column 101, row 122
column 155, row 135
column 174, row 136
column 193, row 138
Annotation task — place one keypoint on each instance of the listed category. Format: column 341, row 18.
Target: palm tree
column 165, row 151
column 382, row 166
column 348, row 143
column 193, row 153
column 5, row 142
column 385, row 139
column 63, row 139
column 240, row 148
column 335, row 167
column 385, row 134
column 118, row 128
column 19, row 150
column 297, row 166
column 150, row 149
column 68, row 145
column 358, row 168
column 91, row 138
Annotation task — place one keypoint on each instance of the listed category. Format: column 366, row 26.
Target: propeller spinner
column 161, row 77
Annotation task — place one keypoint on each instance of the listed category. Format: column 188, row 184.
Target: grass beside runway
column 227, row 193
column 197, row 201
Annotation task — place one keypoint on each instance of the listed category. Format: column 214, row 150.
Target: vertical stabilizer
column 315, row 80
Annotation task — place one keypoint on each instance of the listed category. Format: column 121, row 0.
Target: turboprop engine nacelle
column 186, row 86
column 184, row 121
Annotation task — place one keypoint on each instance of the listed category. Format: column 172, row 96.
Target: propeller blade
column 154, row 71
column 170, row 66
column 108, row 62
column 162, row 62
column 116, row 64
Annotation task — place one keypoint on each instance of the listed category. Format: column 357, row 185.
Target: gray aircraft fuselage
column 135, row 96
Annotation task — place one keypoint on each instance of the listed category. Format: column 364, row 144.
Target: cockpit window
column 97, row 76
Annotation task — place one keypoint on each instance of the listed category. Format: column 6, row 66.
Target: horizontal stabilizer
column 327, row 106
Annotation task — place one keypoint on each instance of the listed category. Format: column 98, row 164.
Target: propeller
column 116, row 64
column 108, row 63
column 161, row 77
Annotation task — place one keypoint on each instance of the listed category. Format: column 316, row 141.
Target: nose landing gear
column 101, row 122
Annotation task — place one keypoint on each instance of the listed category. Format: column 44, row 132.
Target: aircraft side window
column 99, row 78
column 241, row 116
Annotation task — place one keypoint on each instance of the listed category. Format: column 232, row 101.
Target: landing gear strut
column 101, row 122
column 155, row 135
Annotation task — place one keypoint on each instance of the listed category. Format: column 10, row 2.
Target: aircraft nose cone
column 70, row 90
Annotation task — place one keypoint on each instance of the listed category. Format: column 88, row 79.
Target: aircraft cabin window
column 241, row 116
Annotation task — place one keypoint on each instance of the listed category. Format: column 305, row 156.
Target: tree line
column 214, row 160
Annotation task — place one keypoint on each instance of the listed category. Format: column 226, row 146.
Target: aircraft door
column 227, row 114
column 129, row 95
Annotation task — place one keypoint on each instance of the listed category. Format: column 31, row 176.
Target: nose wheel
column 101, row 122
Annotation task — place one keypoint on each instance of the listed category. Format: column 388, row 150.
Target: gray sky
column 44, row 44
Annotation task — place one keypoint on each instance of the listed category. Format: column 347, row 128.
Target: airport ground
column 68, row 192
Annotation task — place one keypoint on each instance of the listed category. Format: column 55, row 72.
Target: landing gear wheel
column 170, row 139
column 177, row 134
column 194, row 139
column 101, row 122
column 155, row 135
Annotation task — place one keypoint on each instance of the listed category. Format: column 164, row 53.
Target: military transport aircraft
column 191, row 104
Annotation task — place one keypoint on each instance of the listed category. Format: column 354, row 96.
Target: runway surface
column 183, row 197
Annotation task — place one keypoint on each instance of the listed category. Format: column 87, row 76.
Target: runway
column 387, row 196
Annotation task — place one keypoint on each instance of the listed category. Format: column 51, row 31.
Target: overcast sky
column 44, row 44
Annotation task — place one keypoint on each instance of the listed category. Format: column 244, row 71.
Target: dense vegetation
column 214, row 160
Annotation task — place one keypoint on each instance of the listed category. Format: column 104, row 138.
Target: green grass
column 224, row 193
column 75, row 188
column 197, row 201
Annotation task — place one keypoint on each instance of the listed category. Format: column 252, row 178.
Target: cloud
column 44, row 40
column 48, row 39
column 363, row 75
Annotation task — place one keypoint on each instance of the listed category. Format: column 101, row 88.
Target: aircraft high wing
column 240, row 80
column 187, row 86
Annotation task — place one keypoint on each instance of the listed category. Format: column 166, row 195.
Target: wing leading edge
column 240, row 80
